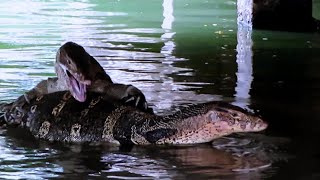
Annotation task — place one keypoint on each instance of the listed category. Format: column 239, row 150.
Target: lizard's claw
column 26, row 98
column 134, row 97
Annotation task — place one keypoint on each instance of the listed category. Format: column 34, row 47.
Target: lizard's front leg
column 40, row 89
column 127, row 94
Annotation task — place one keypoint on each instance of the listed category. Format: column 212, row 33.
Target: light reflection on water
column 176, row 52
column 238, row 158
column 21, row 162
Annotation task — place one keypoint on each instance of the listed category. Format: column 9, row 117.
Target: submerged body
column 59, row 117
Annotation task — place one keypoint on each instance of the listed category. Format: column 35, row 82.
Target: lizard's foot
column 6, row 110
column 134, row 97
column 20, row 102
column 4, row 107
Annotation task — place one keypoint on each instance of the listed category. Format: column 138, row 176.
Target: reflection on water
column 244, row 53
column 234, row 157
column 24, row 161
column 176, row 52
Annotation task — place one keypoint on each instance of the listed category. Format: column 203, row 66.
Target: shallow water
column 177, row 53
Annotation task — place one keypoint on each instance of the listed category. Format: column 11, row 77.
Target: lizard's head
column 73, row 67
column 228, row 119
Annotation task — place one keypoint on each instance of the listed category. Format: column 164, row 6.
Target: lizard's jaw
column 77, row 88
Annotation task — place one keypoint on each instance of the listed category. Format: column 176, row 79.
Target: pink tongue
column 78, row 90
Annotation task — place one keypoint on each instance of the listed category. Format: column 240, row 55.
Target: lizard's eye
column 68, row 61
column 214, row 117
column 234, row 115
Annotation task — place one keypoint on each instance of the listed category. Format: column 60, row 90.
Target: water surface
column 176, row 52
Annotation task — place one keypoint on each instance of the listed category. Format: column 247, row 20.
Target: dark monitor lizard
column 78, row 72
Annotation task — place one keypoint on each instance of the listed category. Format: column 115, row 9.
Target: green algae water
column 177, row 52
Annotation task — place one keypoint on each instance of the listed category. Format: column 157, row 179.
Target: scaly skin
column 78, row 72
column 59, row 117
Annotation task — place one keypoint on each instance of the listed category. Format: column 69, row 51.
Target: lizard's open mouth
column 78, row 88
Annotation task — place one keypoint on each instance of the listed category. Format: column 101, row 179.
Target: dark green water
column 177, row 53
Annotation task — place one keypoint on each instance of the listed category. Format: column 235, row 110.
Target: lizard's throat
column 77, row 88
